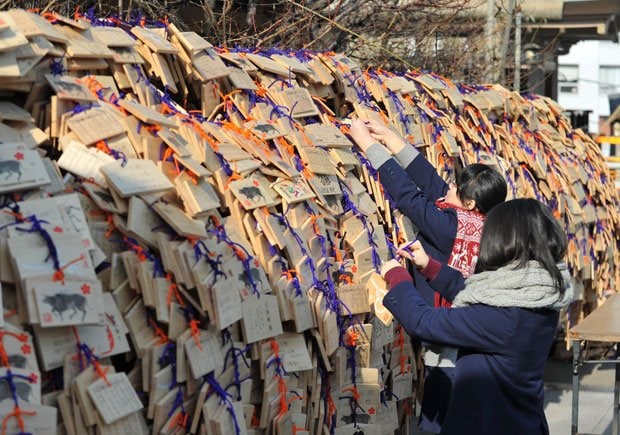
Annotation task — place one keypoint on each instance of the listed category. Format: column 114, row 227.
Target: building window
column 568, row 79
column 609, row 79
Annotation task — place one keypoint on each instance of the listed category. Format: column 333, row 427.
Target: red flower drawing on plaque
column 57, row 229
column 85, row 289
column 19, row 156
column 371, row 411
column 26, row 349
column 33, row 378
column 256, row 183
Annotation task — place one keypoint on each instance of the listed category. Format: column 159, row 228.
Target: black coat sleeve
column 477, row 327
column 438, row 227
column 425, row 176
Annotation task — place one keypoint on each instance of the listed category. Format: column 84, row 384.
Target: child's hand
column 414, row 252
column 361, row 135
column 384, row 134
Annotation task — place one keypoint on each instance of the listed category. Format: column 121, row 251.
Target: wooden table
column 602, row 325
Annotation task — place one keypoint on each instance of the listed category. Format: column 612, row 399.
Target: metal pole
column 616, row 423
column 505, row 40
column 517, row 81
column 575, row 410
column 490, row 42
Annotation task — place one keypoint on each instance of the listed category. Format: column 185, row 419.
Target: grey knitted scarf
column 528, row 287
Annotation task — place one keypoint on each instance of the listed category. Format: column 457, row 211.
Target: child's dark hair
column 483, row 184
column 519, row 231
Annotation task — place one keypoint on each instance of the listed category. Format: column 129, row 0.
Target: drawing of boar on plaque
column 74, row 303
column 251, row 194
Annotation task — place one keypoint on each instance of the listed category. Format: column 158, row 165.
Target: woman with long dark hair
column 449, row 218
column 503, row 318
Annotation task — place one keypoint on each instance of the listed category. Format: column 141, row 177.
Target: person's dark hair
column 483, row 184
column 521, row 230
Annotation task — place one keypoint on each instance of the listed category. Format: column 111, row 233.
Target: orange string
column 315, row 226
column 233, row 177
column 103, row 374
column 94, row 86
column 351, row 337
column 282, row 388
column 261, row 90
column 176, row 166
column 180, row 420
column 111, row 225
column 17, row 216
column 291, row 274
column 239, row 253
column 173, row 290
column 307, row 171
column 345, row 279
column 153, row 129
column 49, row 16
column 338, row 254
column 103, row 147
column 193, row 324
column 3, row 355
column 17, row 413
column 109, row 219
column 303, row 134
column 247, row 134
column 331, row 406
column 407, row 410
column 59, row 275
column 216, row 220
column 290, row 150
column 255, row 420
column 96, row 366
column 354, row 392
column 111, row 340
column 192, row 177
column 401, row 345
column 163, row 338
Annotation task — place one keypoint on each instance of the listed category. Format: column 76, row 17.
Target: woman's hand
column 383, row 133
column 361, row 135
column 389, row 265
column 414, row 252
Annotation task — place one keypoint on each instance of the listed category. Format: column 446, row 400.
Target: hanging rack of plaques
column 189, row 236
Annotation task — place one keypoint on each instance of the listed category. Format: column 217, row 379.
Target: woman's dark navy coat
column 497, row 387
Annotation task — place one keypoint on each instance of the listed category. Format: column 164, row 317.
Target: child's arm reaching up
column 438, row 227
column 419, row 170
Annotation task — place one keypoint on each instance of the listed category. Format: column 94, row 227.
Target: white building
column 587, row 75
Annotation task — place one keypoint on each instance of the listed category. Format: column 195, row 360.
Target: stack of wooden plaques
column 189, row 239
